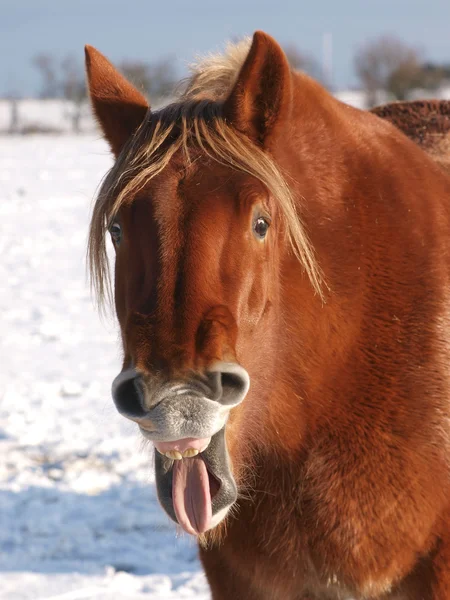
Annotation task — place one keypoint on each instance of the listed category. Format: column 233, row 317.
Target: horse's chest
column 278, row 570
column 271, row 548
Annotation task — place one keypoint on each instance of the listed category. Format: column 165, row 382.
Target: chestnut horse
column 282, row 288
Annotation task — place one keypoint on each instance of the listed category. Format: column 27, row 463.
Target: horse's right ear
column 118, row 106
column 261, row 98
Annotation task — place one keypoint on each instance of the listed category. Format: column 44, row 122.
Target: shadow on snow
column 52, row 530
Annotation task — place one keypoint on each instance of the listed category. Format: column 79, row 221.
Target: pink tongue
column 190, row 494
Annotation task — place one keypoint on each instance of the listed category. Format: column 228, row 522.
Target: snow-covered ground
column 78, row 512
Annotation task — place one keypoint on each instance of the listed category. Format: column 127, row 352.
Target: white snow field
column 79, row 517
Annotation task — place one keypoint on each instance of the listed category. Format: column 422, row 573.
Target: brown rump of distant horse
column 426, row 122
column 267, row 234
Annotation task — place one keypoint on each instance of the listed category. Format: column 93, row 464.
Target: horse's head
column 200, row 217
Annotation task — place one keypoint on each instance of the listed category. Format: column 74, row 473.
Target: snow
column 79, row 517
column 44, row 114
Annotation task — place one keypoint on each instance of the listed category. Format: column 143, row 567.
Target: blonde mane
column 193, row 121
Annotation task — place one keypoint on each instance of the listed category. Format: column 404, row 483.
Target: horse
column 282, row 289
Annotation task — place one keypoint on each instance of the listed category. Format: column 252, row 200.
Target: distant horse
column 282, row 287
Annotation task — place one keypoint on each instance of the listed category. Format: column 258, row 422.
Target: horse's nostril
column 127, row 394
column 231, row 383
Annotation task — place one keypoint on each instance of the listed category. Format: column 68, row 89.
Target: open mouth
column 195, row 484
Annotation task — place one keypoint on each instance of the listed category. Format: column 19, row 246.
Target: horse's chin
column 220, row 487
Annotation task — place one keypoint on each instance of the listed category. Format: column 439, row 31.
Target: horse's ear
column 262, row 95
column 118, row 106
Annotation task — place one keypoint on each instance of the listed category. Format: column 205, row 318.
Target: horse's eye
column 116, row 233
column 260, row 227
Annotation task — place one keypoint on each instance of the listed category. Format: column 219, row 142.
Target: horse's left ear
column 262, row 95
column 119, row 107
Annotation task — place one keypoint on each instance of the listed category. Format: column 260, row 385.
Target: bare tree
column 156, row 79
column 63, row 79
column 301, row 61
column 389, row 64
column 434, row 75
column 14, row 125
column 73, row 88
column 48, row 69
column 12, row 97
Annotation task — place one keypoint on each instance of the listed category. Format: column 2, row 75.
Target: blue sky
column 182, row 28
